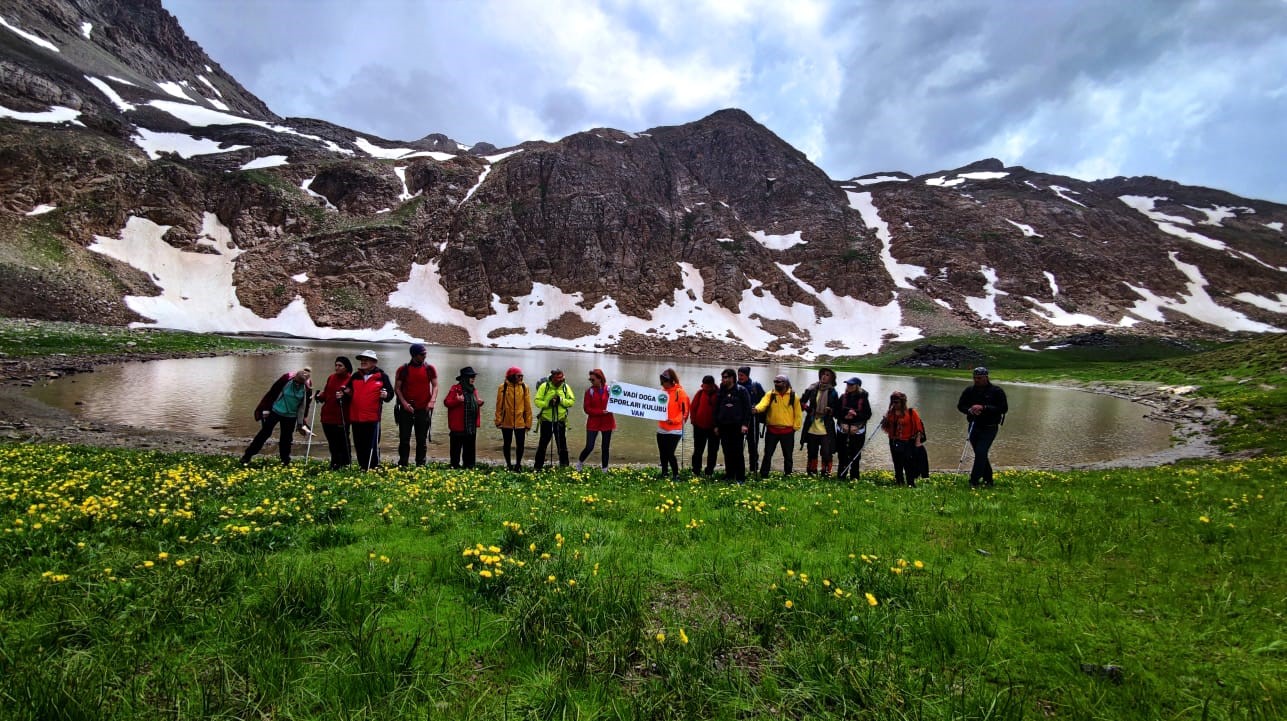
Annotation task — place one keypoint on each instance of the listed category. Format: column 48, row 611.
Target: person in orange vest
column 416, row 385
column 906, row 439
column 368, row 389
column 670, row 431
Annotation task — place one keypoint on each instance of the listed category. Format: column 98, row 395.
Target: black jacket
column 732, row 406
column 991, row 398
column 859, row 403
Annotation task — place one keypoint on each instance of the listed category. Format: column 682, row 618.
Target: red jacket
column 332, row 411
column 595, row 405
column 363, row 393
column 703, row 415
column 455, row 402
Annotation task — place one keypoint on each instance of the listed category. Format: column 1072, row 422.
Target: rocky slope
column 140, row 183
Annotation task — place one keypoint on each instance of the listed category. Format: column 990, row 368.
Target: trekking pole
column 311, row 425
column 375, row 447
column 857, row 456
column 969, row 432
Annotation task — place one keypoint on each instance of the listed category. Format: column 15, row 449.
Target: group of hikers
column 730, row 416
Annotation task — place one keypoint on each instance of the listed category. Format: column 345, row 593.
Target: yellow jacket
column 783, row 409
column 513, row 406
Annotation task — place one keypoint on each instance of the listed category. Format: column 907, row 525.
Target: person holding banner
column 553, row 399
column 783, row 417
column 597, row 418
column 670, row 430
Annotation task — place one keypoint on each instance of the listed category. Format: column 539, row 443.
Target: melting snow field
column 197, row 292
column 1197, row 304
column 154, row 143
column 35, row 39
column 56, row 114
column 902, row 273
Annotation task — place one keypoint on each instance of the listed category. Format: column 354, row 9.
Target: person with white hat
column 368, row 389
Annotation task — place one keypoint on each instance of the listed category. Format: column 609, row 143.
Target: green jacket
column 562, row 398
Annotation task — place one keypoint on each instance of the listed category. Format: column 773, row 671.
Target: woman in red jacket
column 365, row 394
column 597, row 418
column 703, row 419
column 335, row 423
column 464, row 417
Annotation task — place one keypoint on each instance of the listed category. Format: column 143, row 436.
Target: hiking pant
column 773, row 440
column 666, row 445
column 463, row 444
column 753, row 442
column 283, row 445
column 818, row 445
column 420, row 421
column 981, row 438
column 705, row 441
column 509, row 436
column 337, row 439
column 366, row 442
column 558, row 430
column 730, row 438
column 907, row 465
column 589, row 446
column 849, row 452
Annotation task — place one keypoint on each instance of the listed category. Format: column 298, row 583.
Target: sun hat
column 369, row 354
column 781, row 379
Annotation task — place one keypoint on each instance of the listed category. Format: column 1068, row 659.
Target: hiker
column 851, row 427
column 984, row 406
column 416, row 385
column 670, row 430
column 286, row 403
column 906, row 439
column 513, row 415
column 335, row 422
column 732, row 422
column 819, row 403
column 598, row 421
column 365, row 394
column 553, row 399
column 705, row 441
column 755, row 392
column 782, row 418
column 464, row 417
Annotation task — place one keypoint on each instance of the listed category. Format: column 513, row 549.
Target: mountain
column 140, row 183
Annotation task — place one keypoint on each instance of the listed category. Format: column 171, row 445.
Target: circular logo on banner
column 615, row 389
column 663, row 398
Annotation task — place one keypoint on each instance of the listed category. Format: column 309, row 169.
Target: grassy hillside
column 138, row 585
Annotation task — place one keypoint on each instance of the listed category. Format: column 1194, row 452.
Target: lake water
column 217, row 396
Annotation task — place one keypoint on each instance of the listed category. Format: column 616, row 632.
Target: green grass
column 142, row 585
column 21, row 338
column 1247, row 379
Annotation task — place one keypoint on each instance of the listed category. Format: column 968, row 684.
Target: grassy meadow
column 138, row 585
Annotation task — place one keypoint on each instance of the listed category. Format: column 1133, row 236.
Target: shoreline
column 23, row 419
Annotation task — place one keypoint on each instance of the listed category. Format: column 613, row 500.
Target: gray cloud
column 1191, row 90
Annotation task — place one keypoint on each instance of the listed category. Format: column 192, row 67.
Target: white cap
column 367, row 354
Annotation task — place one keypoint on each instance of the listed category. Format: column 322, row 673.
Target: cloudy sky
column 1189, row 90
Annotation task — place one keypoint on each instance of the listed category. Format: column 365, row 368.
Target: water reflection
column 217, row 397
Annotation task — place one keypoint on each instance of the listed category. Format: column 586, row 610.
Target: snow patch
column 305, row 186
column 56, row 114
column 1276, row 225
column 29, row 37
column 377, row 151
column 986, row 307
column 778, row 242
column 879, row 179
column 86, row 29
column 1050, row 278
column 300, row 278
column 1062, row 192
column 268, row 161
column 943, row 303
column 1055, row 315
column 111, row 94
column 41, row 209
column 1027, row 230
column 902, row 273
column 175, row 89
column 401, row 172
column 199, row 116
column 122, row 81
column 1168, row 223
column 1277, row 306
column 210, row 85
column 1196, row 304
column 943, row 182
column 1219, row 213
column 186, row 146
column 197, row 292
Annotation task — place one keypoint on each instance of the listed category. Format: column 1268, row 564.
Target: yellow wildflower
column 871, row 600
column 789, row 604
column 661, row 637
column 683, row 637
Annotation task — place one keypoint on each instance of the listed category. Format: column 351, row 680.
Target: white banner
column 637, row 401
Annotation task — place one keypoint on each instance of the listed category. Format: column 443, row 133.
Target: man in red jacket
column 705, row 440
column 365, row 394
